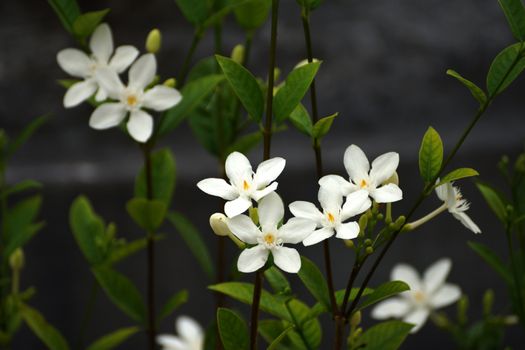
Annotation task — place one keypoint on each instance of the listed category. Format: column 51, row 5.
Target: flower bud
column 355, row 320
column 154, row 41
column 254, row 215
column 520, row 163
column 369, row 250
column 171, row 82
column 394, row 179
column 488, row 301
column 363, row 222
column 17, row 260
column 219, row 224
column 349, row 243
column 400, row 221
column 441, row 320
column 237, row 54
column 380, row 216
column 276, row 74
column 462, row 310
column 368, row 242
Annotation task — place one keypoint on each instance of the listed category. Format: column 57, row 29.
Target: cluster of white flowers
column 100, row 71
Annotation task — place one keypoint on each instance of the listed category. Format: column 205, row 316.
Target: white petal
column 140, row 125
column 143, row 71
column 418, row 317
column 296, row 229
column 467, row 221
column 348, row 231
column 356, row 163
column 444, row 296
column 336, row 181
column 171, row 342
column 101, row 95
column 237, row 206
column 394, row 307
column 407, row 274
column 271, row 211
column 387, row 194
column 442, row 191
column 219, row 188
column 383, row 167
column 306, row 210
column 160, row 98
column 238, row 168
column 123, row 58
column 330, row 199
column 318, row 236
column 258, row 195
column 252, row 259
column 189, row 329
column 287, row 259
column 101, row 43
column 268, row 171
column 74, row 62
column 79, row 92
column 356, row 203
column 107, row 116
column 244, row 228
column 109, row 81
column 436, row 274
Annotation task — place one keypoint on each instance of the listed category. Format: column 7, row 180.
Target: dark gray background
column 383, row 71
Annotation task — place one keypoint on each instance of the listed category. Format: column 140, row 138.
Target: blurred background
column 383, row 70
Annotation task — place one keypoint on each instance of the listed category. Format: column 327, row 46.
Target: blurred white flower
column 456, row 205
column 244, row 185
column 78, row 64
column 425, row 295
column 270, row 238
column 133, row 98
column 190, row 336
column 366, row 179
column 332, row 220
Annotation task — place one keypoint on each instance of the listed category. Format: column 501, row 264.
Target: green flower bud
column 369, row 250
column 380, row 216
column 254, row 215
column 349, row 243
column 400, row 221
column 363, row 222
column 441, row 320
column 368, row 242
column 154, row 41
column 237, row 54
column 520, row 163
column 17, row 260
column 219, row 224
column 462, row 309
column 355, row 320
column 276, row 74
column 488, row 302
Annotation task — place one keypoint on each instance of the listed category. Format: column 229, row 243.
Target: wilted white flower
column 270, row 238
column 456, row 205
column 425, row 295
column 78, row 64
column 190, row 336
column 133, row 99
column 244, row 185
column 366, row 179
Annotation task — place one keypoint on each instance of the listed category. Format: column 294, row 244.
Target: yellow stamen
column 363, row 183
column 419, row 296
column 331, row 217
column 245, row 185
column 131, row 100
column 269, row 238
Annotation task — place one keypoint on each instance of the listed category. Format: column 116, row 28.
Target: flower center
column 363, row 183
column 330, row 217
column 131, row 100
column 419, row 296
column 269, row 238
column 245, row 185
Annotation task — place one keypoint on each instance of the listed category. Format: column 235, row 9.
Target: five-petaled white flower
column 332, row 219
column 364, row 178
column 80, row 65
column 190, row 336
column 133, row 98
column 269, row 237
column 456, row 205
column 425, row 295
column 244, row 185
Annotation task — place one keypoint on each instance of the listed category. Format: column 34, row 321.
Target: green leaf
column 195, row 11
column 310, row 4
column 492, row 260
column 314, row 281
column 384, row 336
column 457, row 174
column 42, row 329
column 85, row 24
column 163, row 175
column 149, row 215
column 21, row 216
column 26, row 133
column 67, row 11
column 301, row 120
column 293, row 90
column 505, row 68
column 121, row 291
column 173, row 304
column 193, row 93
column 430, row 155
column 113, row 339
column 277, row 280
column 495, row 201
column 322, row 127
column 386, row 290
column 121, row 252
column 21, row 238
column 252, row 14
column 277, row 340
column 308, row 329
column 232, row 329
column 515, row 14
column 246, row 143
column 271, row 330
column 319, row 308
column 244, row 85
column 22, row 186
column 194, row 241
column 478, row 94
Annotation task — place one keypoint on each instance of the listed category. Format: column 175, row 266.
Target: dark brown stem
column 257, row 288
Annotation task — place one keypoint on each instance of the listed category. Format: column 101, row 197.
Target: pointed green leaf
column 271, row 330
column 232, row 329
column 492, row 260
column 246, row 143
column 195, row 11
column 21, row 216
column 21, row 238
column 505, row 68
column 85, row 24
column 384, row 336
column 293, row 90
column 314, row 281
column 430, row 155
column 121, row 252
column 26, row 133
column 277, row 280
column 244, row 85
column 113, row 339
column 301, row 120
column 386, row 290
column 322, row 127
column 318, row 308
column 252, row 14
column 277, row 340
column 515, row 14
column 163, row 175
column 42, row 329
column 457, row 174
column 495, row 201
column 478, row 94
column 307, row 328
column 67, row 11
column 173, row 304
column 26, row 185
column 149, row 215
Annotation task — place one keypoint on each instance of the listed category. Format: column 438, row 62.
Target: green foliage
column 322, row 127
column 457, row 174
column 277, row 280
column 85, row 24
column 195, row 11
column 26, row 133
column 310, row 4
column 245, row 143
column 430, row 155
column 495, row 201
column 232, row 330
column 301, row 120
column 505, row 68
column 252, row 14
column 384, row 336
column 477, row 92
column 193, row 239
column 492, row 260
column 307, row 329
column 173, row 304
column 113, row 339
column 386, row 290
column 515, row 14
column 67, row 11
column 22, row 186
column 122, row 251
column 19, row 224
column 42, row 329
column 163, row 175
column 314, row 281
column 275, row 343
column 149, row 215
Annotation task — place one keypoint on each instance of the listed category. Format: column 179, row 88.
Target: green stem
column 517, row 281
column 88, row 312
column 197, row 36
column 257, row 289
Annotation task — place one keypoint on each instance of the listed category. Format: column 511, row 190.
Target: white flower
column 78, row 64
column 425, row 295
column 456, row 205
column 244, row 185
column 269, row 237
column 332, row 219
column 364, row 178
column 133, row 99
column 190, row 336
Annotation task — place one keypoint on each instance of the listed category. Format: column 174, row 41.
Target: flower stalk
column 415, row 224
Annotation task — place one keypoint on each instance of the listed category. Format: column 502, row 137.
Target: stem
column 255, row 309
column 415, row 224
column 88, row 312
column 197, row 36
column 517, row 280
column 329, row 276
